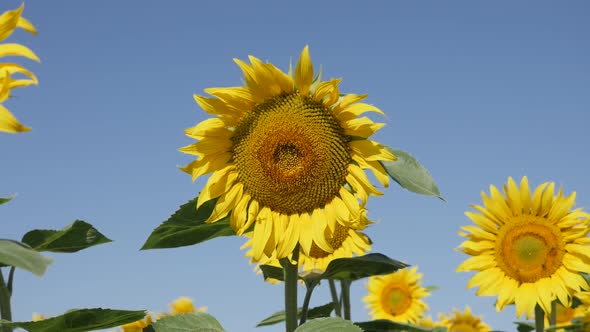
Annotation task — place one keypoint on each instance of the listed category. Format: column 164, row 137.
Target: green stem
column 553, row 316
column 335, row 300
column 345, row 285
column 5, row 311
column 539, row 319
column 306, row 299
column 290, row 273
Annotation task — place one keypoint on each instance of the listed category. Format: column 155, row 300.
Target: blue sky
column 477, row 91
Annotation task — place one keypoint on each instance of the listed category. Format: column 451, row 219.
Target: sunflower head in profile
column 527, row 249
column 184, row 305
column 287, row 154
column 397, row 296
column 10, row 72
column 463, row 322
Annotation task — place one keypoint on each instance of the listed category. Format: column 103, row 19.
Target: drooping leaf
column 74, row 237
column 80, row 320
column 6, row 199
column 524, row 326
column 317, row 312
column 383, row 325
column 22, row 256
column 361, row 267
column 187, row 227
column 328, row 324
column 410, row 174
column 191, row 322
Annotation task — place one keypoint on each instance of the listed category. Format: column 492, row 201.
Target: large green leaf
column 328, row 324
column 74, row 237
column 317, row 312
column 383, row 325
column 22, row 256
column 191, row 322
column 80, row 320
column 524, row 326
column 272, row 272
column 6, row 199
column 410, row 174
column 187, row 227
column 361, row 267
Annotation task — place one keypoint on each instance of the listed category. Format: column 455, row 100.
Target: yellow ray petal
column 306, row 231
column 207, row 164
column 253, row 209
column 9, row 21
column 215, row 185
column 24, row 24
column 361, row 127
column 9, row 124
column 226, row 202
column 213, row 127
column 10, row 49
column 513, row 197
column 375, row 167
column 355, row 110
column 318, row 219
column 371, row 151
column 304, row 72
column 240, row 213
column 525, row 195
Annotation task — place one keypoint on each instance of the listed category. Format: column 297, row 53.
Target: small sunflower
column 287, row 155
column 9, row 21
column 397, row 296
column 183, row 305
column 464, row 322
column 138, row 325
column 426, row 321
column 527, row 250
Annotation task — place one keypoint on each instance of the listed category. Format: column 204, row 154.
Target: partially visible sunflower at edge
column 9, row 21
column 287, row 155
column 463, row 322
column 181, row 305
column 397, row 296
column 527, row 249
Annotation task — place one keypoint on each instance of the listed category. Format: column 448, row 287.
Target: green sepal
column 188, row 322
column 410, row 174
column 187, row 227
column 328, row 324
column 22, row 256
column 316, row 312
column 353, row 268
column 79, row 320
column 77, row 236
column 383, row 325
column 4, row 200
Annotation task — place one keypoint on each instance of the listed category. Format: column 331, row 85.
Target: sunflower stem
column 290, row 273
column 553, row 315
column 335, row 300
column 5, row 310
column 304, row 310
column 345, row 285
column 539, row 319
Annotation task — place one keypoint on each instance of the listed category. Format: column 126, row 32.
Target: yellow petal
column 290, row 238
column 306, row 231
column 212, row 127
column 253, row 209
column 513, row 197
column 525, row 299
column 24, row 24
column 371, row 151
column 525, row 195
column 226, row 203
column 17, row 50
column 318, row 219
column 9, row 21
column 304, row 72
column 215, row 185
column 9, row 124
column 207, row 164
column 375, row 167
column 262, row 232
column 355, row 110
column 240, row 213
column 346, row 101
column 361, row 127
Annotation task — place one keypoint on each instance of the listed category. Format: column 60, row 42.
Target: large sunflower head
column 10, row 72
column 397, row 296
column 463, row 322
column 527, row 249
column 287, row 154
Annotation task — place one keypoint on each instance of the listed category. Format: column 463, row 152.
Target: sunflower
column 183, row 305
column 397, row 296
column 9, row 21
column 426, row 321
column 138, row 325
column 527, row 249
column 463, row 322
column 287, row 155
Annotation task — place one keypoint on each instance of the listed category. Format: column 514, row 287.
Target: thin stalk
column 5, row 310
column 539, row 319
column 553, row 316
column 335, row 300
column 10, row 279
column 345, row 285
column 290, row 273
column 306, row 300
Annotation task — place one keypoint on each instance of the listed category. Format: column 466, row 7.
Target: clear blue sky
column 477, row 91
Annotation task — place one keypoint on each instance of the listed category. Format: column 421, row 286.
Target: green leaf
column 524, row 326
column 22, row 256
column 6, row 200
column 409, row 174
column 383, row 325
column 317, row 312
column 273, row 272
column 191, row 322
column 361, row 267
column 74, row 237
column 79, row 320
column 187, row 227
column 328, row 324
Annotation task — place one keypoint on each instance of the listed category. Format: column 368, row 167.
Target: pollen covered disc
column 291, row 154
column 396, row 300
